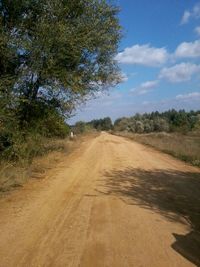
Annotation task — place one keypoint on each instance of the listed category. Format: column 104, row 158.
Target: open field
column 112, row 202
column 184, row 147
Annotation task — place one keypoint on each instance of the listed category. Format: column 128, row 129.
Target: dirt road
column 112, row 202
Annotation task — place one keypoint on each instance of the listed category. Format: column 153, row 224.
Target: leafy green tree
column 139, row 127
column 161, row 125
column 54, row 53
column 148, row 126
column 106, row 124
column 121, row 124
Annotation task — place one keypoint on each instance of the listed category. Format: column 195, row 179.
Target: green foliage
column 169, row 121
column 60, row 50
column 124, row 124
column 79, row 127
column 104, row 124
column 23, row 145
column 139, row 127
column 53, row 54
column 196, row 122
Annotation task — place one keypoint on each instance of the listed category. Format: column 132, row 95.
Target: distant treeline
column 168, row 121
column 104, row 124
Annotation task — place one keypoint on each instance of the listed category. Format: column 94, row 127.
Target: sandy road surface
column 113, row 202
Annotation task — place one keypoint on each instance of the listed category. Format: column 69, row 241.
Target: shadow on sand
column 172, row 193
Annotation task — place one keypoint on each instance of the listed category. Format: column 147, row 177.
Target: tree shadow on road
column 174, row 194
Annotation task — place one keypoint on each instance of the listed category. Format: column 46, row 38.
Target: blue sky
column 159, row 57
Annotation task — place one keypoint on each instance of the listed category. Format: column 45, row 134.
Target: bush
column 80, row 127
column 18, row 143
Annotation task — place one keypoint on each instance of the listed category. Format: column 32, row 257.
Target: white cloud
column 143, row 55
column 188, row 50
column 180, row 72
column 186, row 17
column 197, row 30
column 145, row 87
column 194, row 13
column 189, row 96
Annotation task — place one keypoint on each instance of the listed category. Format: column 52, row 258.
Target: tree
column 56, row 52
column 79, row 127
column 167, row 121
column 148, row 126
column 197, row 122
column 106, row 124
column 121, row 124
column 139, row 127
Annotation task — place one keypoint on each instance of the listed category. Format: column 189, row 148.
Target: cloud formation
column 197, row 30
column 145, row 87
column 145, row 55
column 185, row 18
column 189, row 14
column 188, row 50
column 156, row 57
column 189, row 96
column 180, row 72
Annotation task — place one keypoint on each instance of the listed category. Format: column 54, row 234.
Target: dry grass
column 184, row 147
column 13, row 175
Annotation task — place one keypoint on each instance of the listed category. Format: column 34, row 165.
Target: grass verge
column 184, row 147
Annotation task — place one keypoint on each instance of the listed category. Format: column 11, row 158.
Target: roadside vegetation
column 169, row 121
column 104, row 124
column 185, row 147
column 15, row 174
column 51, row 59
column 174, row 132
column 53, row 56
